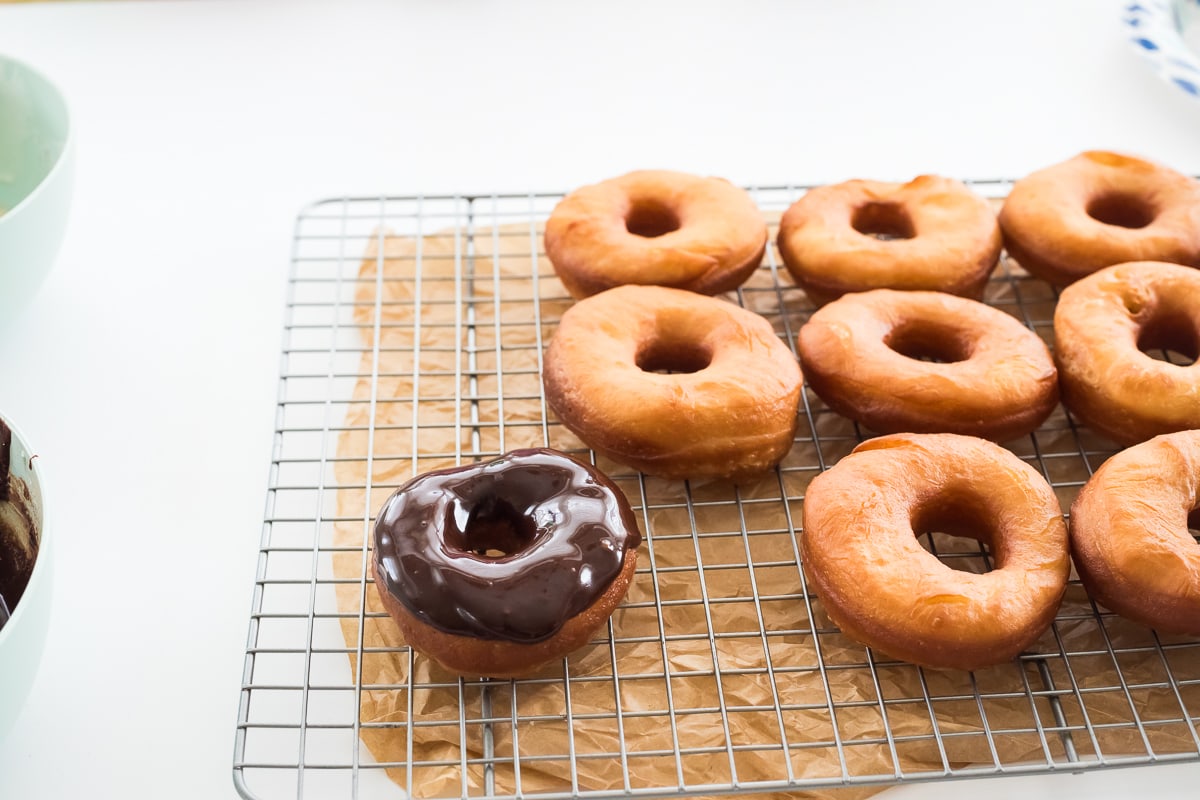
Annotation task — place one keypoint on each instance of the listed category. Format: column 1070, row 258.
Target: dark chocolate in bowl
column 18, row 534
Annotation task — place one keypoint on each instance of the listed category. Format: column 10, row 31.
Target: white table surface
column 145, row 371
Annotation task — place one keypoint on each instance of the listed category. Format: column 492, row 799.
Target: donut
column 1102, row 325
column 656, row 227
column 673, row 383
column 1129, row 533
column 990, row 377
column 861, row 554
column 498, row 568
column 1098, row 209
column 931, row 233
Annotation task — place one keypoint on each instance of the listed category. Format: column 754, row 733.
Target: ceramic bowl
column 23, row 634
column 36, row 178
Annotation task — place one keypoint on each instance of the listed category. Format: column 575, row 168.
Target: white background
column 145, row 372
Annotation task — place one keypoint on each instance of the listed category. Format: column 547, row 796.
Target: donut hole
column 955, row 533
column 926, row 341
column 494, row 528
column 669, row 357
column 884, row 221
column 1170, row 337
column 1193, row 523
column 650, row 218
column 1122, row 210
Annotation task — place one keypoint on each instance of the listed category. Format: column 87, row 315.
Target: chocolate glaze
column 505, row 550
column 18, row 539
column 5, row 456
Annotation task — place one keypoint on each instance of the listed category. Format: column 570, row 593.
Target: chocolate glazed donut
column 497, row 568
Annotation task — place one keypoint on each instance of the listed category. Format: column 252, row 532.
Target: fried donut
column 1103, row 323
column 1129, row 533
column 860, row 549
column 656, row 227
column 673, row 383
column 1098, row 209
column 498, row 568
column 931, row 233
column 991, row 376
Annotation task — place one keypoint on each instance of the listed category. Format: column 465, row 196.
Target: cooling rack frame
column 299, row 724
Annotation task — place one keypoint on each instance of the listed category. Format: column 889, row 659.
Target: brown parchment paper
column 460, row 319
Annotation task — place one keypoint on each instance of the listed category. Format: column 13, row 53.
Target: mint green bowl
column 36, row 177
column 23, row 636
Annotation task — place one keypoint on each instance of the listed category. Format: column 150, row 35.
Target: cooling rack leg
column 1060, row 719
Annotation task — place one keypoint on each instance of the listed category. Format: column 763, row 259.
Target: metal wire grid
column 720, row 573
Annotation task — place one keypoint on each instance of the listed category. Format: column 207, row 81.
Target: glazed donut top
column 674, row 383
column 1098, row 209
column 860, row 547
column 1101, row 325
column 931, row 233
column 656, row 227
column 509, row 549
column 991, row 377
column 1130, row 537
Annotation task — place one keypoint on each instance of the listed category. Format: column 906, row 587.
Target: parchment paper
column 669, row 678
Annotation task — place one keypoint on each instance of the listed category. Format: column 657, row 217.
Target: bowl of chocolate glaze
column 25, row 572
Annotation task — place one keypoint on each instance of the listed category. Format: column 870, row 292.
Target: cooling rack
column 413, row 337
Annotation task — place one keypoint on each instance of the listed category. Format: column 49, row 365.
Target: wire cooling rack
column 413, row 339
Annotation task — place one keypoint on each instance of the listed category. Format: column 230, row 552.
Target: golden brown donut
column 656, row 227
column 673, row 383
column 1103, row 323
column 1098, row 209
column 993, row 377
column 1129, row 533
column 497, row 568
column 876, row 582
column 931, row 233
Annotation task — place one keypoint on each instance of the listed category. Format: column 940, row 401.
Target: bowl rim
column 41, row 565
column 68, row 136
